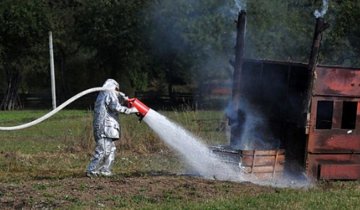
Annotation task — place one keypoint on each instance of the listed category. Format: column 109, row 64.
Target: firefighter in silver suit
column 106, row 129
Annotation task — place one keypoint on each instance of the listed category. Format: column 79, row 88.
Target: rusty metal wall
column 334, row 136
column 337, row 81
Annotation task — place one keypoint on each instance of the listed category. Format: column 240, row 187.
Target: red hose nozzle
column 142, row 108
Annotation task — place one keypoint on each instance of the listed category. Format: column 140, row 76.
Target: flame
column 323, row 11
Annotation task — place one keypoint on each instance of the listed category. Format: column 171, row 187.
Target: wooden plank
column 262, row 161
column 340, row 171
column 315, row 160
column 275, row 162
column 334, row 141
column 337, row 114
column 253, row 162
column 268, row 176
column 262, row 169
column 261, row 152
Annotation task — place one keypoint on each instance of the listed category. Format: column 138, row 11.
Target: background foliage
column 157, row 44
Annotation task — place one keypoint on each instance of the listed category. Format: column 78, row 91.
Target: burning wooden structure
column 262, row 164
column 312, row 111
column 326, row 141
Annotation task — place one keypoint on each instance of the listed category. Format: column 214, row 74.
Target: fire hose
column 132, row 102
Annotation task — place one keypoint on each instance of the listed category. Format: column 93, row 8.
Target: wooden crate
column 264, row 164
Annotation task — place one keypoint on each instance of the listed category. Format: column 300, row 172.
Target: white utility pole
column 52, row 70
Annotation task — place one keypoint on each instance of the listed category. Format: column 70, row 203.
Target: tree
column 169, row 42
column 110, row 33
column 341, row 45
column 23, row 34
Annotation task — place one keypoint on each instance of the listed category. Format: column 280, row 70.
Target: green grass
column 65, row 142
column 345, row 196
column 61, row 147
column 283, row 199
column 342, row 195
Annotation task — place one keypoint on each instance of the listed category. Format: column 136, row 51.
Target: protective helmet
column 111, row 84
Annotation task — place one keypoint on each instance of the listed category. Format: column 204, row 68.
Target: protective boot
column 98, row 157
column 92, row 174
column 109, row 160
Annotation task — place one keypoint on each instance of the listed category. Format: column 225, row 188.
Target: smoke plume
column 240, row 4
column 323, row 11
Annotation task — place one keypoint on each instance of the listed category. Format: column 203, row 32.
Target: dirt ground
column 118, row 191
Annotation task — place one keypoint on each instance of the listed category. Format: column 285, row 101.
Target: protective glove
column 121, row 97
column 131, row 110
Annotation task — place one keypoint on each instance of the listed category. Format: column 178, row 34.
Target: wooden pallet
column 263, row 164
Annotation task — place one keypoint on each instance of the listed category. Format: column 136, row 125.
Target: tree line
column 157, row 44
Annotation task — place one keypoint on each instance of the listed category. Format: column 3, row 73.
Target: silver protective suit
column 106, row 129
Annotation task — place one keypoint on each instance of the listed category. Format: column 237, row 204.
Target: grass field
column 43, row 167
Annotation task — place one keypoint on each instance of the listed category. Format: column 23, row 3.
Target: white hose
column 63, row 105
